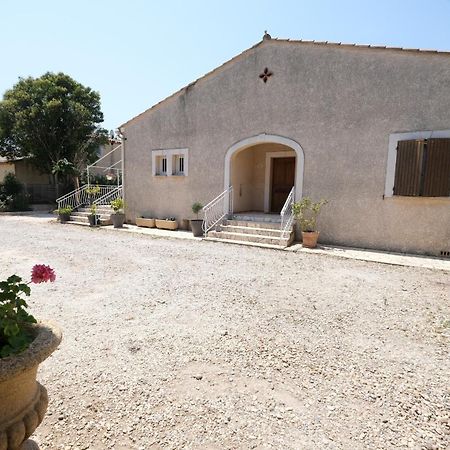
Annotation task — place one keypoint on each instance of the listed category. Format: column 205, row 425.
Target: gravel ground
column 173, row 344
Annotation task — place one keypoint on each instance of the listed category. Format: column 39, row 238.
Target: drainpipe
column 122, row 135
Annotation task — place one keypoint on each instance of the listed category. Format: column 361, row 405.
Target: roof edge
column 285, row 41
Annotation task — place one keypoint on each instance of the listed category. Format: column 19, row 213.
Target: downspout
column 122, row 136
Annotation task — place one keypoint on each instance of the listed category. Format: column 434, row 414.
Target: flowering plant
column 15, row 331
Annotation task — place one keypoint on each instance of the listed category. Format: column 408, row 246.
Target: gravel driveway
column 172, row 344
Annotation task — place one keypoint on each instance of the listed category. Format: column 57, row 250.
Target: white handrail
column 287, row 216
column 83, row 196
column 117, row 192
column 217, row 209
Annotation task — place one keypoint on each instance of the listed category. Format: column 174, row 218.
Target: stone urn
column 23, row 401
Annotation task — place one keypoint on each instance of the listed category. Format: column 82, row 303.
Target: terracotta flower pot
column 23, row 400
column 309, row 238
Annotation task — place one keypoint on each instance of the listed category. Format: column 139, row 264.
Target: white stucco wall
column 340, row 104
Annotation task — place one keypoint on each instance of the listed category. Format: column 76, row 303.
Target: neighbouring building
column 39, row 186
column 365, row 127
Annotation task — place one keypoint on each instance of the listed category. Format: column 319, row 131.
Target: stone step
column 100, row 210
column 246, row 223
column 265, row 218
column 246, row 243
column 83, row 220
column 270, row 232
column 86, row 214
column 243, row 237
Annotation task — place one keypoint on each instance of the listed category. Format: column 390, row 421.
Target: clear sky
column 137, row 52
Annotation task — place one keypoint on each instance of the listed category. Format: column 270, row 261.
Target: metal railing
column 109, row 196
column 216, row 210
column 83, row 196
column 287, row 216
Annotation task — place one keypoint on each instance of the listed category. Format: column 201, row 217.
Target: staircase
column 257, row 230
column 80, row 215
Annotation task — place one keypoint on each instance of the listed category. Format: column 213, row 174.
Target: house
column 366, row 127
column 39, row 186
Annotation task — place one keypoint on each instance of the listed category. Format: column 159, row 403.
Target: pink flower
column 42, row 273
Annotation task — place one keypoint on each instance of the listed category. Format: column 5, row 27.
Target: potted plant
column 64, row 213
column 24, row 344
column 169, row 223
column 118, row 217
column 196, row 224
column 306, row 212
column 147, row 222
column 93, row 217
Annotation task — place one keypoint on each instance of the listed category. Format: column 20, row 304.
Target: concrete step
column 270, row 232
column 83, row 220
column 246, row 243
column 244, row 237
column 100, row 210
column 86, row 214
column 265, row 218
column 253, row 224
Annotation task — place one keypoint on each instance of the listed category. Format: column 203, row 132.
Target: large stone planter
column 118, row 220
column 145, row 222
column 23, row 401
column 166, row 224
column 196, row 226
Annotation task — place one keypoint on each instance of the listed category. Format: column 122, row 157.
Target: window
column 161, row 165
column 422, row 168
column 178, row 165
column 170, row 162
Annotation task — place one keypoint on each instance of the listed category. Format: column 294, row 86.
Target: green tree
column 49, row 119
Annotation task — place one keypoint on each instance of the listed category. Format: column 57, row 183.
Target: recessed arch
column 268, row 139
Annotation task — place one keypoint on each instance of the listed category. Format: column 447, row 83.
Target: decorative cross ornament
column 265, row 75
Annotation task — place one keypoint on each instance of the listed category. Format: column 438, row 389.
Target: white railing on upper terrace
column 287, row 216
column 84, row 196
column 216, row 210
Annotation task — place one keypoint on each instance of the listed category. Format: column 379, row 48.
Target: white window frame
column 392, row 154
column 171, row 155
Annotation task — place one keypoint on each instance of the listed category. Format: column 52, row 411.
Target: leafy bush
column 117, row 205
column 12, row 195
column 66, row 210
column 306, row 212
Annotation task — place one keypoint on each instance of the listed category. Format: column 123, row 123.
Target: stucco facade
column 339, row 105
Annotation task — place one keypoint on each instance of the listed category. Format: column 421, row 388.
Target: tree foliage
column 49, row 119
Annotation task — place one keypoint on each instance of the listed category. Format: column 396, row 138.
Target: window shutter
column 408, row 167
column 436, row 181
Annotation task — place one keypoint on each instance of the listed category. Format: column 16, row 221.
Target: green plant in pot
column 306, row 212
column 93, row 216
column 196, row 224
column 118, row 216
column 64, row 213
column 24, row 344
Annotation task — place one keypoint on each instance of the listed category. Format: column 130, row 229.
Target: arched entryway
column 262, row 170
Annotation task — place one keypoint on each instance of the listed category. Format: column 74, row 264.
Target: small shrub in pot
column 306, row 212
column 196, row 224
column 118, row 216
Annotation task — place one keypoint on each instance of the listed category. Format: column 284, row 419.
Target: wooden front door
column 283, row 176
